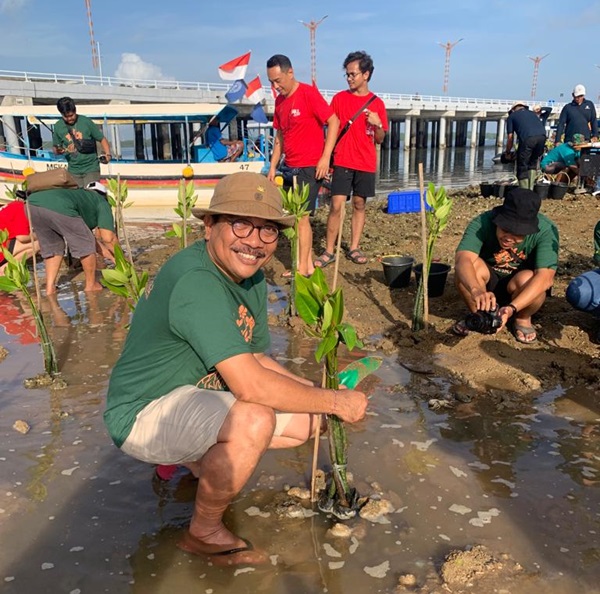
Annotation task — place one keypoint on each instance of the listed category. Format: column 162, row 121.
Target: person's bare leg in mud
column 522, row 325
column 88, row 263
column 224, row 470
column 52, row 266
column 222, row 473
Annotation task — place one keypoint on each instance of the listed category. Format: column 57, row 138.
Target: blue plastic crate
column 405, row 201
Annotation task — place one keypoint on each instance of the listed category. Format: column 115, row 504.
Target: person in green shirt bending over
column 75, row 136
column 81, row 219
column 194, row 385
column 506, row 259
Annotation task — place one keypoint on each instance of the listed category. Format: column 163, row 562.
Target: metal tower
column 312, row 27
column 448, row 47
column 536, row 68
column 95, row 60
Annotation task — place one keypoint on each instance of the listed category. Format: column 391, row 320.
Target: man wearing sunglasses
column 364, row 123
column 194, row 386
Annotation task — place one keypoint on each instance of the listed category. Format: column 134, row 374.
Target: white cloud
column 7, row 6
column 133, row 67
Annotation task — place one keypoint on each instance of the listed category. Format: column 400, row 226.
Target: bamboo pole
column 425, row 272
column 338, row 247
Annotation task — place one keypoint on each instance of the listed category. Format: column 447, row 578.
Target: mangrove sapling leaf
column 124, row 280
column 117, row 198
column 16, row 278
column 323, row 312
column 437, row 220
column 186, row 200
column 294, row 201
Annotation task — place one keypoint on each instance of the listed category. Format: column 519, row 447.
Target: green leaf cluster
column 186, row 200
column 124, row 280
column 16, row 278
column 323, row 312
column 437, row 220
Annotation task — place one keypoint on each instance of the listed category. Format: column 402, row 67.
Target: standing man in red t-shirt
column 355, row 158
column 300, row 116
column 13, row 218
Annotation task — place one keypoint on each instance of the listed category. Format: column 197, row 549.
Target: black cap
column 519, row 213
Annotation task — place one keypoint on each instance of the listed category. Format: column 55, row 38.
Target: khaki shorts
column 183, row 425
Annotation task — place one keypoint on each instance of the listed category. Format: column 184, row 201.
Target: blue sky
column 188, row 39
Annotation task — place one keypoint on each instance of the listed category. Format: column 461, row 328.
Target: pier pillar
column 442, row 134
column 450, row 133
column 500, row 132
column 435, row 127
column 393, row 139
column 473, row 132
column 407, row 133
column 461, row 133
column 482, row 127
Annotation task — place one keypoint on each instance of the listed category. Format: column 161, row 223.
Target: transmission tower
column 312, row 27
column 95, row 60
column 536, row 69
column 448, row 47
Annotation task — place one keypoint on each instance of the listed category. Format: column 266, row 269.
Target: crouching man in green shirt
column 193, row 385
column 507, row 258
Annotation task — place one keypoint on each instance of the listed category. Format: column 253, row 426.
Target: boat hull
column 152, row 185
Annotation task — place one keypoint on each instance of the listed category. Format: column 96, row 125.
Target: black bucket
column 557, row 190
column 498, row 190
column 486, row 189
column 436, row 281
column 542, row 190
column 396, row 270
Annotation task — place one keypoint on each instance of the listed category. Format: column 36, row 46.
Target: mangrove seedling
column 323, row 312
column 124, row 280
column 295, row 201
column 16, row 278
column 437, row 220
column 117, row 198
column 186, row 200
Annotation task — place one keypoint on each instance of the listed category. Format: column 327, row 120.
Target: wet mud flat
column 77, row 516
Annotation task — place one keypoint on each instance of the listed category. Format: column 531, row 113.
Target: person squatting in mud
column 507, row 258
column 193, row 385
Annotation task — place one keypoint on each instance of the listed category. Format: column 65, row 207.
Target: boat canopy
column 128, row 113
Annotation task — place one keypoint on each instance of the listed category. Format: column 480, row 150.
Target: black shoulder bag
column 348, row 124
column 85, row 146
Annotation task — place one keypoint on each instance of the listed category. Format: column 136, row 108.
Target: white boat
column 151, row 145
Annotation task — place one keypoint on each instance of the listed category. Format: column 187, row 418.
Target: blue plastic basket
column 405, row 201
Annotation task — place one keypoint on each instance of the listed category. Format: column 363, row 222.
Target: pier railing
column 392, row 100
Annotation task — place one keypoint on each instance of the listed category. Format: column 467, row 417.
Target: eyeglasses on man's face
column 351, row 75
column 243, row 228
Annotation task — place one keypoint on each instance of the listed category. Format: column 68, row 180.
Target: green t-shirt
column 87, row 204
column 539, row 250
column 193, row 318
column 84, row 128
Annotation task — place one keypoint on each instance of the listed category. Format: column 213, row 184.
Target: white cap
column 578, row 90
column 95, row 185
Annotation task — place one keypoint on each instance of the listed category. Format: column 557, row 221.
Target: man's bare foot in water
column 94, row 287
column 224, row 548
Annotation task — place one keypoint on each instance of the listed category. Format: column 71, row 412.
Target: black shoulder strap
column 353, row 118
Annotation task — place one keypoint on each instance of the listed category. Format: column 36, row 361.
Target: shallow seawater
column 77, row 516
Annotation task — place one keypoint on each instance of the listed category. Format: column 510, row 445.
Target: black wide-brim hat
column 519, row 212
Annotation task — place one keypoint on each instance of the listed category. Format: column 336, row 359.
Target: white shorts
column 183, row 425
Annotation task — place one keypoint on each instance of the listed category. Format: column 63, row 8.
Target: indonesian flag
column 254, row 92
column 235, row 69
